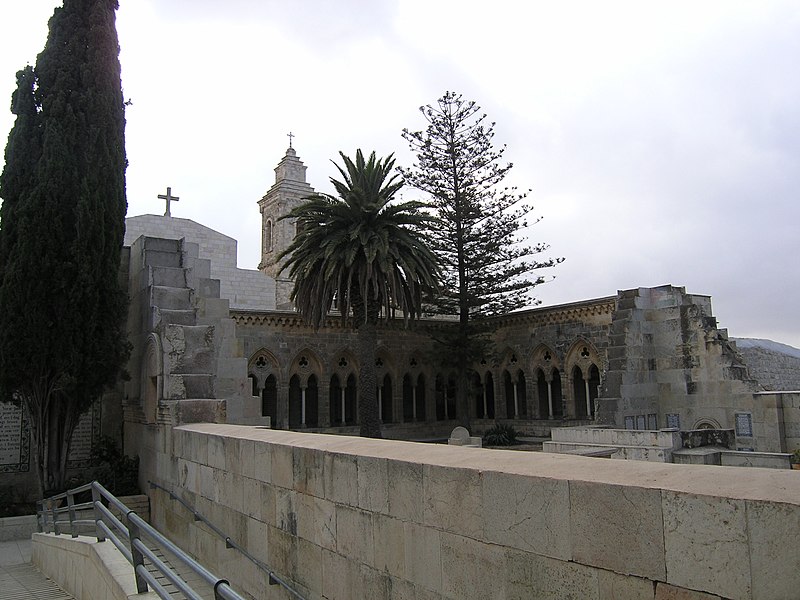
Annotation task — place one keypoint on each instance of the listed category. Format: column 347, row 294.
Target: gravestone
column 460, row 437
column 15, row 439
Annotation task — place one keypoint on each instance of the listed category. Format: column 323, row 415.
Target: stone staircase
column 180, row 303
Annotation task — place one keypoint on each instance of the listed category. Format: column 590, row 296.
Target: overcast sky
column 661, row 139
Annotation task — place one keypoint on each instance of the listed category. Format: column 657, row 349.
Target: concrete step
column 171, row 297
column 176, row 317
column 158, row 258
column 168, row 276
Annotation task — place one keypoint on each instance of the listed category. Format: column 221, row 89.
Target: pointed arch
column 303, row 401
column 305, row 363
column 261, row 365
column 582, row 362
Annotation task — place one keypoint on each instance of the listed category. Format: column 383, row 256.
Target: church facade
column 216, row 343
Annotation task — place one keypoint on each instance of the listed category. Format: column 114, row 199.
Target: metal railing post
column 98, row 516
column 71, row 506
column 40, row 516
column 53, row 511
column 138, row 558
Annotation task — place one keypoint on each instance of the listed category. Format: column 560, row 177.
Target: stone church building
column 213, row 342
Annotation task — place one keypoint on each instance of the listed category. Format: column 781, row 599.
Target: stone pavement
column 19, row 579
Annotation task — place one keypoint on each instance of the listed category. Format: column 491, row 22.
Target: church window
column 385, row 400
column 269, row 400
column 268, row 236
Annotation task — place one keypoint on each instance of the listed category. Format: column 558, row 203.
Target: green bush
column 500, row 435
column 118, row 473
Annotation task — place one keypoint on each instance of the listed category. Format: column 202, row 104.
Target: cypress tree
column 62, row 224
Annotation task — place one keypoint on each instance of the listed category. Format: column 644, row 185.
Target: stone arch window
column 342, row 395
column 445, row 397
column 556, row 393
column 384, row 392
column 253, row 384
column 268, row 236
column 544, row 396
column 303, row 402
column 515, row 394
column 585, row 390
column 413, row 397
column 483, row 389
column 269, row 399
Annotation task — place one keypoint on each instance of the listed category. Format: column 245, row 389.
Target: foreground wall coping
column 771, row 485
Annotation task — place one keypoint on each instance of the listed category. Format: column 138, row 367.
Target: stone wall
column 669, row 362
column 244, row 288
column 350, row 518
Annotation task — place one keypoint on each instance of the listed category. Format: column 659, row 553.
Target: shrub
column 500, row 435
column 118, row 473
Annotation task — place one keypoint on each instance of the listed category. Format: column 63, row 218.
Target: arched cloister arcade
column 320, row 392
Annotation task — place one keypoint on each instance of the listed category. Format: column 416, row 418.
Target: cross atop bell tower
column 290, row 190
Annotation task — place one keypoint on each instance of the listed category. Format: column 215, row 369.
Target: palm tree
column 366, row 254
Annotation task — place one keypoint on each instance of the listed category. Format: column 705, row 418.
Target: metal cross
column 290, row 135
column 169, row 198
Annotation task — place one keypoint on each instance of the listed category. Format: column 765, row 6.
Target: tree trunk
column 52, row 419
column 367, row 393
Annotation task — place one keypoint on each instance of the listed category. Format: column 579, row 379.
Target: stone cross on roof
column 169, row 198
column 290, row 135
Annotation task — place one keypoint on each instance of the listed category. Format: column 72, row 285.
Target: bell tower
column 290, row 190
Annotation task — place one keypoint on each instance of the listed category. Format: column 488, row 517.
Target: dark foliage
column 500, row 435
column 487, row 268
column 62, row 223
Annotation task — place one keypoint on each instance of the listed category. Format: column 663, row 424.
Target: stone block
column 262, row 462
column 405, row 490
column 340, row 472
column 465, row 566
column 389, row 536
column 251, row 497
column 282, row 466
column 664, row 591
column 354, row 538
column 532, row 576
column 452, row 500
column 233, row 460
column 316, row 520
column 371, row 583
column 308, row 472
column 603, row 514
column 373, row 485
column 613, row 586
column 774, row 561
column 282, row 552
column 705, row 541
column 309, row 572
column 247, row 450
column 338, row 576
column 285, row 510
column 267, row 505
column 423, row 561
column 527, row 513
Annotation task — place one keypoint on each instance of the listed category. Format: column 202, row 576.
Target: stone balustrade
column 347, row 517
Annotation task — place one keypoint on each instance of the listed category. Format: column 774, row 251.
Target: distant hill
column 774, row 365
column 766, row 345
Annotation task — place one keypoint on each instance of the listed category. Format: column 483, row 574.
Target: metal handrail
column 127, row 537
column 273, row 578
